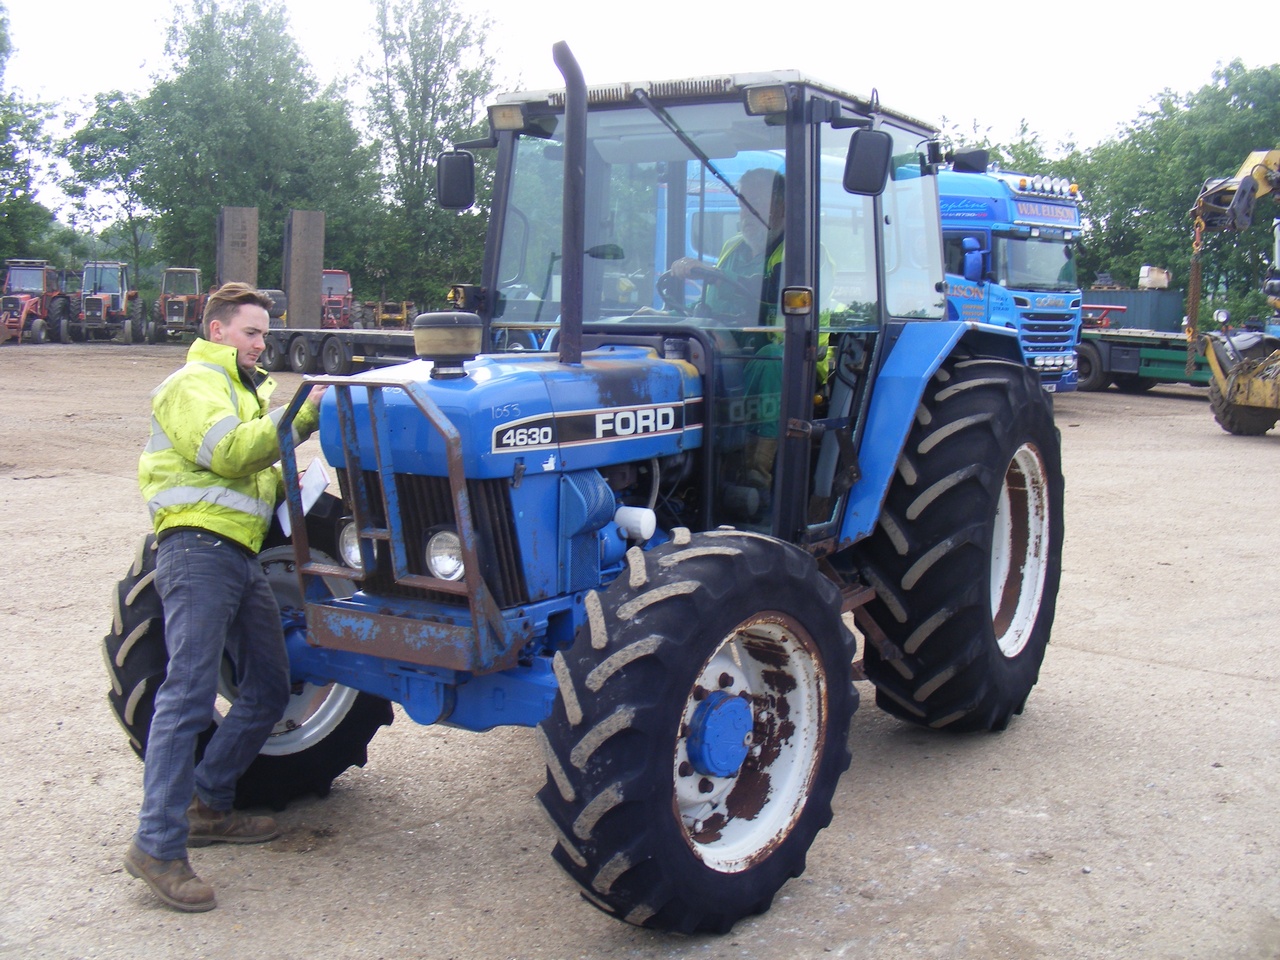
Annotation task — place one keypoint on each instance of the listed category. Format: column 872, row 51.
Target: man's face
column 760, row 195
column 245, row 330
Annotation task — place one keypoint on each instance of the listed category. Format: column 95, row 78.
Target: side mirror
column 972, row 259
column 866, row 167
column 455, row 180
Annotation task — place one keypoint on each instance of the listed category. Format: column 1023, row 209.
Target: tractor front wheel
column 325, row 729
column 700, row 730
column 967, row 554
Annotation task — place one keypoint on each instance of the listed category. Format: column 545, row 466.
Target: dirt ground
column 1131, row 812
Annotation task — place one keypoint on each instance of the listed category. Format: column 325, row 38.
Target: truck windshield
column 1026, row 263
column 25, row 280
column 650, row 202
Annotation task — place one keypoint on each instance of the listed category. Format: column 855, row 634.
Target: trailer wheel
column 700, row 730
column 273, row 358
column 335, row 357
column 967, row 555
column 1239, row 420
column 1090, row 373
column 324, row 731
column 302, row 356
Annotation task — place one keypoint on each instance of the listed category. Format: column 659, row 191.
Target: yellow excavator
column 1244, row 391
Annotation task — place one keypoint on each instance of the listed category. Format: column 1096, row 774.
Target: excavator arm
column 1227, row 203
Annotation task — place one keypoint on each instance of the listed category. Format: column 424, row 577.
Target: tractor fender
column 914, row 356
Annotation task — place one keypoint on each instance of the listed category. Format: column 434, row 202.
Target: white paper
column 313, row 483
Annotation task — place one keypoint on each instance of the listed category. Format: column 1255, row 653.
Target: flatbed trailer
column 336, row 352
column 1133, row 358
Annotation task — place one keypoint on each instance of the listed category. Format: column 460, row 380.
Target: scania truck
column 1009, row 240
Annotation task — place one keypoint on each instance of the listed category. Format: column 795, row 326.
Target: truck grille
column 426, row 503
column 1047, row 333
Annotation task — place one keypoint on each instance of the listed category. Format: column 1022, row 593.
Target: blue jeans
column 216, row 599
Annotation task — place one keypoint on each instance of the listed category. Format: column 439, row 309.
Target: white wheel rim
column 1020, row 550
column 313, row 712
column 733, row 822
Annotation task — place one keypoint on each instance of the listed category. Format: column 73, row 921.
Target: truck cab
column 1010, row 240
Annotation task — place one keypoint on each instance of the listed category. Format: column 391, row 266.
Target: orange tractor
column 35, row 303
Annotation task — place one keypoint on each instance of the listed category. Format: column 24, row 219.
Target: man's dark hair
column 230, row 297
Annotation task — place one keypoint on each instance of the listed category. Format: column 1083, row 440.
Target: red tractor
column 336, row 301
column 180, row 308
column 35, row 302
column 108, row 307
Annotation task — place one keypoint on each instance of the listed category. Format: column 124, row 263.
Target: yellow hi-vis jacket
column 210, row 460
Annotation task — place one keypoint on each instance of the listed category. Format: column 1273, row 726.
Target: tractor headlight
column 444, row 554
column 349, row 545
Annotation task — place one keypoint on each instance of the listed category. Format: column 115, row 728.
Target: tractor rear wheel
column 324, row 730
column 700, row 730
column 1239, row 420
column 967, row 555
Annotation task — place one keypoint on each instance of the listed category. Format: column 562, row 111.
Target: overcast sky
column 1074, row 71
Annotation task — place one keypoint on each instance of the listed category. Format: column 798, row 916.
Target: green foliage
column 428, row 86
column 240, row 123
column 24, row 223
column 1139, row 188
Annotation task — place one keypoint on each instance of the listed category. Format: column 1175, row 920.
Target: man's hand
column 316, row 393
column 692, row 268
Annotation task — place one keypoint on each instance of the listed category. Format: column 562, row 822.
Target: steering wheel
column 738, row 300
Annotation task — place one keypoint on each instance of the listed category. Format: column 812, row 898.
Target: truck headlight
column 444, row 554
column 349, row 545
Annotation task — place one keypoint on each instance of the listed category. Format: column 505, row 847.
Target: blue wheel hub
column 720, row 735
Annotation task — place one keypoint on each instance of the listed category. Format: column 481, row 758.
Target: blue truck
column 643, row 532
column 1009, row 241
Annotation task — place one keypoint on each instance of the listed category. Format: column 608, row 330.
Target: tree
column 24, row 223
column 1140, row 187
column 105, row 156
column 427, row 90
column 239, row 123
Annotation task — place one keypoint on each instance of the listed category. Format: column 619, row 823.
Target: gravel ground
column 1131, row 812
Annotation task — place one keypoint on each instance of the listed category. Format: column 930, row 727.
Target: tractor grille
column 10, row 304
column 176, row 311
column 426, row 503
column 1047, row 333
column 95, row 308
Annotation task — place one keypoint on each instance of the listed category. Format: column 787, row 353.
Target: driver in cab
column 752, row 259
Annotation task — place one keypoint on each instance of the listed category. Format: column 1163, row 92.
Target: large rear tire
column 967, row 555
column 1238, row 420
column 324, row 731
column 701, row 728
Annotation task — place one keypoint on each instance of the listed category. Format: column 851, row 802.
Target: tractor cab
column 725, row 226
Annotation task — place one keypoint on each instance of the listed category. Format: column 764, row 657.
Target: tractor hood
column 526, row 413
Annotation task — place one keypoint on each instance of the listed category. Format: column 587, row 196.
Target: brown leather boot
column 173, row 881
column 226, row 826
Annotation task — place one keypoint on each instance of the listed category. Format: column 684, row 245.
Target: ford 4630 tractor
column 639, row 486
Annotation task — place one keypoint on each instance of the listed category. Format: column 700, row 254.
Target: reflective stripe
column 159, row 439
column 230, row 383
column 215, row 496
column 213, row 436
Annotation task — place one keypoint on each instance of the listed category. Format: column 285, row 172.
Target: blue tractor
column 650, row 536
